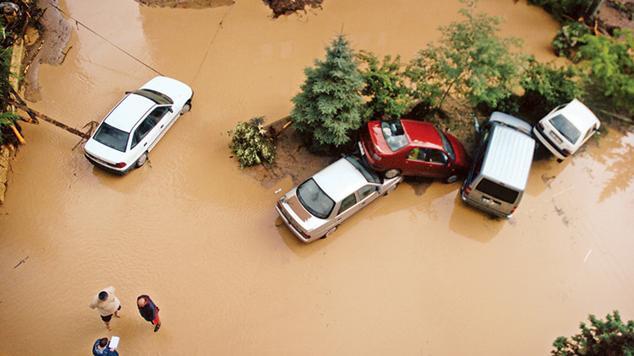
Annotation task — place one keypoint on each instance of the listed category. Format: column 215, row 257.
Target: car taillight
column 513, row 210
column 120, row 165
column 376, row 157
column 467, row 189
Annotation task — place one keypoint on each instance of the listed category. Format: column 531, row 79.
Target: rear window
column 394, row 135
column 314, row 199
column 497, row 191
column 112, row 137
column 566, row 128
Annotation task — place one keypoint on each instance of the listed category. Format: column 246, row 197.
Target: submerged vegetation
column 602, row 337
column 251, row 143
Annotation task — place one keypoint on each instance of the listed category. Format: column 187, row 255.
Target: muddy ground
column 415, row 273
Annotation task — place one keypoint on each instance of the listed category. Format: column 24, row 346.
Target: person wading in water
column 107, row 304
column 149, row 311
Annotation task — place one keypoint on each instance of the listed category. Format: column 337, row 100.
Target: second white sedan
column 136, row 124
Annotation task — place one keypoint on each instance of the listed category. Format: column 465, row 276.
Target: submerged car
column 497, row 178
column 413, row 148
column 566, row 128
column 136, row 124
column 315, row 208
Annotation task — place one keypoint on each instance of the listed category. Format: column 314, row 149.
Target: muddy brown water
column 416, row 272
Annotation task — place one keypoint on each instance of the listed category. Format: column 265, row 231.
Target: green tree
column 251, row 144
column 328, row 108
column 385, row 86
column 609, row 62
column 611, row 337
column 569, row 38
column 470, row 61
column 546, row 86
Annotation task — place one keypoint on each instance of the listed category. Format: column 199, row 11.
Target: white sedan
column 136, row 124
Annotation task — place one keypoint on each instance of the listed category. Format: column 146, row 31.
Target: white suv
column 566, row 128
column 126, row 135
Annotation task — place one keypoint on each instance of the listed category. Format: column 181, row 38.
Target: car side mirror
column 170, row 109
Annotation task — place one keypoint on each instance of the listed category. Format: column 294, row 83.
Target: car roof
column 422, row 133
column 509, row 157
column 340, row 179
column 128, row 112
column 579, row 115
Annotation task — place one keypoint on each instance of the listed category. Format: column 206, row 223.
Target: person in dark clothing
column 100, row 348
column 149, row 311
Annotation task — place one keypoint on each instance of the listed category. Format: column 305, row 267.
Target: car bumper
column 483, row 207
column 549, row 144
column 290, row 226
column 106, row 167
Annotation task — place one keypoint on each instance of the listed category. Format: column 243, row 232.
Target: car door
column 428, row 162
column 367, row 194
column 347, row 207
column 161, row 115
column 142, row 136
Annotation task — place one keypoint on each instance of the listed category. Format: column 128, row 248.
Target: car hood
column 463, row 161
column 173, row 88
column 103, row 152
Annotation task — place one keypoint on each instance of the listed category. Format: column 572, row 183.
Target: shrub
column 251, row 144
column 8, row 119
column 569, row 38
column 385, row 86
column 470, row 61
column 610, row 66
column 609, row 337
column 547, row 86
column 568, row 8
column 328, row 109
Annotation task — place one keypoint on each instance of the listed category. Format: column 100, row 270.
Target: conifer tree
column 329, row 107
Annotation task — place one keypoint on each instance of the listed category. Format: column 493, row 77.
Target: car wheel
column 329, row 232
column 141, row 161
column 451, row 179
column 186, row 107
column 391, row 173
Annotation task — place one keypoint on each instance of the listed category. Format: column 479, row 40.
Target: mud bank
column 190, row 4
column 46, row 48
column 416, row 272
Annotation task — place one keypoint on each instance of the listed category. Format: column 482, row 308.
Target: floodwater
column 416, row 273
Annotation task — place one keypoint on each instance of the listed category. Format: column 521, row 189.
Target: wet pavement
column 414, row 273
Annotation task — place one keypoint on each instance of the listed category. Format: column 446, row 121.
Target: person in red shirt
column 149, row 311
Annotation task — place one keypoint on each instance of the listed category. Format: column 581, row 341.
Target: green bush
column 328, row 109
column 609, row 62
column 571, row 9
column 600, row 338
column 251, row 144
column 6, row 134
column 385, row 86
column 547, row 86
column 470, row 61
column 569, row 38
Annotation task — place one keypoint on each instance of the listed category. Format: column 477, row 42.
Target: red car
column 413, row 148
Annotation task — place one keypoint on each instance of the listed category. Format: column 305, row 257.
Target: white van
column 500, row 169
column 566, row 128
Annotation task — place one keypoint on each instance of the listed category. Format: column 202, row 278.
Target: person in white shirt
column 107, row 304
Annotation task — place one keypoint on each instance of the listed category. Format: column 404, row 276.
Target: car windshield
column 447, row 145
column 394, row 135
column 566, row 128
column 314, row 199
column 112, row 137
column 369, row 175
column 155, row 96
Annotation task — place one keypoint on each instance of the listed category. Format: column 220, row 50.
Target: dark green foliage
column 7, row 119
column 611, row 337
column 547, row 86
column 5, row 74
column 571, row 9
column 329, row 107
column 251, row 143
column 569, row 39
column 385, row 86
column 609, row 62
column 470, row 62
